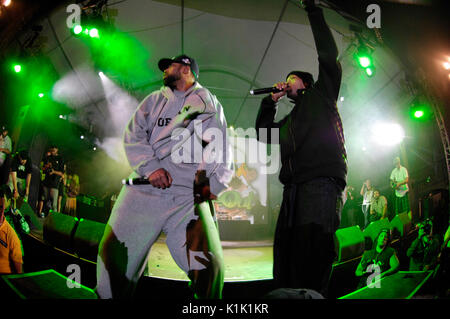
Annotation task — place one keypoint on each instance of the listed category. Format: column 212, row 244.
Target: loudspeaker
column 401, row 224
column 349, row 243
column 87, row 238
column 92, row 209
column 374, row 228
column 31, row 217
column 47, row 284
column 58, row 230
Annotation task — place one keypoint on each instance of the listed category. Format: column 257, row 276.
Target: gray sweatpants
column 135, row 223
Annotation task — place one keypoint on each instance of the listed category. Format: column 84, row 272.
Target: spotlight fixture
column 420, row 111
column 17, row 68
column 387, row 133
column 363, row 55
column 41, row 95
column 77, row 29
column 6, row 3
column 418, row 114
column 364, row 61
column 370, row 71
column 93, row 33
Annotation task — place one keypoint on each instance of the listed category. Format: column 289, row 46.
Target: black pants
column 304, row 238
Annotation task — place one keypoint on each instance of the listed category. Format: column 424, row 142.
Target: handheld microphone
column 265, row 91
column 136, row 181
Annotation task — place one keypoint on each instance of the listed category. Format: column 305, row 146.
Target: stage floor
column 244, row 261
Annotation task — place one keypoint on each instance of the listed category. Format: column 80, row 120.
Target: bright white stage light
column 387, row 133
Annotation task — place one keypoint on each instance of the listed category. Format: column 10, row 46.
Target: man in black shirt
column 20, row 175
column 53, row 169
column 314, row 166
column 379, row 262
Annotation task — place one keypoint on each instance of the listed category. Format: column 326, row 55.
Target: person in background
column 5, row 155
column 381, row 257
column 11, row 257
column 367, row 194
column 349, row 210
column 378, row 207
column 54, row 171
column 20, row 175
column 442, row 275
column 73, row 189
column 399, row 182
column 424, row 250
column 62, row 194
column 41, row 183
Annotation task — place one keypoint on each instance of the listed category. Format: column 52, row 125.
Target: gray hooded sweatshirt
column 181, row 132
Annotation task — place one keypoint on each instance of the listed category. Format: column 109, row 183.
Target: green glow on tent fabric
column 120, row 57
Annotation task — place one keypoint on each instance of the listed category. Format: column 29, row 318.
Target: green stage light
column 364, row 61
column 17, row 68
column 418, row 114
column 369, row 71
column 93, row 33
column 41, row 95
column 77, row 29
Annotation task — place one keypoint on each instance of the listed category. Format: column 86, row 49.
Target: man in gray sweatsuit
column 175, row 133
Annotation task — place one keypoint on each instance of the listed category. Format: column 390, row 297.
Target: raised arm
column 330, row 72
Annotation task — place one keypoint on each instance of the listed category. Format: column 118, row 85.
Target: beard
column 170, row 80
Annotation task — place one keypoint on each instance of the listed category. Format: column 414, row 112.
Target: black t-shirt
column 372, row 257
column 52, row 163
column 381, row 259
column 22, row 170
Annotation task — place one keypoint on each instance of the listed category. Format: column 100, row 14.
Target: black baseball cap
column 183, row 59
column 306, row 77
